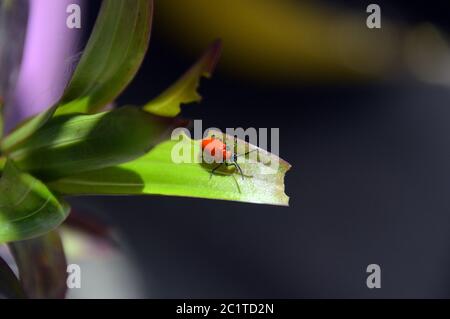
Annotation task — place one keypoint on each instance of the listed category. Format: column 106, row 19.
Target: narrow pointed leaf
column 26, row 129
column 27, row 207
column 42, row 266
column 10, row 287
column 184, row 90
column 110, row 61
column 75, row 143
column 112, row 56
column 156, row 173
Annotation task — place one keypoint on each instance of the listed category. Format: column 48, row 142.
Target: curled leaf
column 156, row 173
column 27, row 207
column 42, row 266
column 184, row 90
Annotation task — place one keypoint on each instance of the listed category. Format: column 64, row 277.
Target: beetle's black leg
column 239, row 168
column 235, row 164
column 214, row 170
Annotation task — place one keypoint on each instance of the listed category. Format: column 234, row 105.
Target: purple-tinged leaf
column 42, row 266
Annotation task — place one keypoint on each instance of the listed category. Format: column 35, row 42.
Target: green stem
column 2, row 164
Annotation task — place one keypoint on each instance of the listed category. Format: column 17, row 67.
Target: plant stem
column 2, row 164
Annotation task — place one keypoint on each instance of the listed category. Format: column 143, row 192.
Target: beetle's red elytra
column 212, row 145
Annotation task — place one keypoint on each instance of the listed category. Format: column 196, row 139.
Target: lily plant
column 78, row 147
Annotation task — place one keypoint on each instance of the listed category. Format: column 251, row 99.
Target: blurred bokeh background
column 364, row 120
column 363, row 116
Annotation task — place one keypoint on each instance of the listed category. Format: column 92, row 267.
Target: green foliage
column 157, row 174
column 112, row 56
column 110, row 60
column 70, row 149
column 75, row 143
column 27, row 207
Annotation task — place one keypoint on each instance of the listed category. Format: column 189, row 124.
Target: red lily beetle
column 214, row 147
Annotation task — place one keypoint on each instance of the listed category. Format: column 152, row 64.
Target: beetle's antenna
column 246, row 153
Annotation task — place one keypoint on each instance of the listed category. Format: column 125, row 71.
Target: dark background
column 369, row 184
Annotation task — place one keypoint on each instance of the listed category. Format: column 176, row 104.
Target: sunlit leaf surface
column 156, row 173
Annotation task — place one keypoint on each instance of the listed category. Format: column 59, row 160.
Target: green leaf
column 2, row 164
column 184, row 90
column 74, row 143
column 27, row 208
column 26, row 129
column 10, row 287
column 110, row 61
column 156, row 173
column 112, row 56
column 42, row 266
